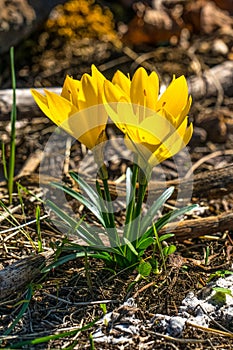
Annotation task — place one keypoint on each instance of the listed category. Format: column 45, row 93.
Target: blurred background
column 54, row 38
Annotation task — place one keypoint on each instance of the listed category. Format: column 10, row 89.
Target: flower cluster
column 83, row 18
column 155, row 127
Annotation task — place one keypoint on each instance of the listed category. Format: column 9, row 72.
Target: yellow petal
column 174, row 143
column 144, row 92
column 70, row 90
column 174, row 98
column 88, row 95
column 98, row 79
column 154, row 130
column 188, row 134
column 88, row 124
column 113, row 93
column 126, row 114
column 122, row 81
column 60, row 110
column 42, row 102
column 152, row 91
column 184, row 113
column 90, row 138
column 138, row 87
column 154, row 81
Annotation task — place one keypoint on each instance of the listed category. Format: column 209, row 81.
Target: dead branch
column 205, row 86
column 15, row 277
column 208, row 184
column 189, row 229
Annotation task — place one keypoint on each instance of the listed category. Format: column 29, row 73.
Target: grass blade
column 22, row 311
column 48, row 338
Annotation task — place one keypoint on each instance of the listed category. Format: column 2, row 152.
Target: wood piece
column 208, row 184
column 199, row 87
column 15, row 277
column 189, row 229
column 26, row 106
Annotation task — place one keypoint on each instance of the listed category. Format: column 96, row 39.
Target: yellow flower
column 155, row 127
column 72, row 109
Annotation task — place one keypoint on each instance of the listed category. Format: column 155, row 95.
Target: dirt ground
column 68, row 298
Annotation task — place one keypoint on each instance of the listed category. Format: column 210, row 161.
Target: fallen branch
column 189, row 229
column 208, row 184
column 15, row 277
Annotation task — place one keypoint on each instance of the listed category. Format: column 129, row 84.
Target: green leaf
column 145, row 243
column 222, row 290
column 46, row 339
column 62, row 260
column 165, row 237
column 82, row 230
column 130, row 246
column 94, row 197
column 95, row 210
column 169, row 217
column 169, row 250
column 21, row 312
column 144, row 268
column 148, row 218
column 11, row 170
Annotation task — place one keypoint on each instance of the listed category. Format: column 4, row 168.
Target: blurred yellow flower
column 155, row 128
column 71, row 110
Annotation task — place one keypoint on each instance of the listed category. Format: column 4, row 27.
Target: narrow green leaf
column 48, row 338
column 83, row 230
column 86, row 188
column 166, row 236
column 130, row 246
column 62, row 260
column 95, row 210
column 13, row 129
column 145, row 243
column 169, row 217
column 148, row 218
column 22, row 311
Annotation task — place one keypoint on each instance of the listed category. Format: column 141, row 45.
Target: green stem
column 141, row 195
column 111, row 227
column 4, row 161
column 103, row 208
column 109, row 203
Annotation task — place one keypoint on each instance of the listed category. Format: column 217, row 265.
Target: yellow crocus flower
column 155, row 128
column 79, row 109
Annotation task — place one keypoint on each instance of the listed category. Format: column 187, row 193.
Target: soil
column 70, row 297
